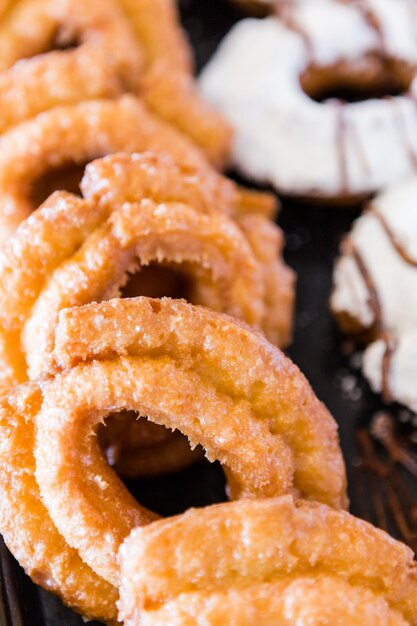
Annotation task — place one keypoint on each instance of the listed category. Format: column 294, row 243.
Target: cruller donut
column 84, row 49
column 266, row 562
column 76, row 134
column 270, row 78
column 139, row 211
column 33, row 152
column 219, row 382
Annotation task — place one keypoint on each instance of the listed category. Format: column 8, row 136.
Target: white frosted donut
column 330, row 149
column 375, row 291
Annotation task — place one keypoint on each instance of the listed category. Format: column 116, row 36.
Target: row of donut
column 68, row 363
column 265, row 557
column 75, row 85
column 63, row 511
column 272, row 79
column 380, row 35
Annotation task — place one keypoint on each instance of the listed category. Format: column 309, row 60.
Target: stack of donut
column 109, row 203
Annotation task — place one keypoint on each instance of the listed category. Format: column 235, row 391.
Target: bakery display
column 224, row 387
column 375, row 291
column 281, row 83
column 104, row 48
column 266, row 562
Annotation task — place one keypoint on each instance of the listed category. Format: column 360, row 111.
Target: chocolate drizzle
column 341, row 135
column 286, row 13
column 376, row 307
column 402, row 130
column 385, row 496
column 393, row 238
column 390, row 345
column 373, row 22
column 373, row 298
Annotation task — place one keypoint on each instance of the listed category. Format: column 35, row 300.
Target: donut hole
column 158, row 466
column 369, row 79
column 65, row 39
column 157, row 281
column 64, row 178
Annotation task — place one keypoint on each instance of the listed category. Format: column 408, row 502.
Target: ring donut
column 289, row 132
column 138, row 210
column 96, row 67
column 76, row 134
column 374, row 296
column 266, row 562
column 36, row 150
column 224, row 387
column 53, row 564
column 103, row 49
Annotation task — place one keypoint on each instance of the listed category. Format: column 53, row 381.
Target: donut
column 266, row 562
column 273, row 79
column 25, row 523
column 35, row 74
column 179, row 326
column 103, row 49
column 374, row 296
column 216, row 380
column 138, row 211
column 35, row 154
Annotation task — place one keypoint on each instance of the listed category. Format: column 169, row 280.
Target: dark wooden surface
column 313, row 235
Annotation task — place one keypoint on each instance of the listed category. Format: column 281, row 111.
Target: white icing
column 286, row 138
column 395, row 282
column 351, row 295
column 403, row 369
column 398, row 207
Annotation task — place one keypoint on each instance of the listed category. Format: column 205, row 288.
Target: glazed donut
column 103, row 49
column 98, row 66
column 174, row 328
column 138, row 210
column 375, row 291
column 266, row 562
column 76, row 134
column 223, row 386
column 25, row 523
column 34, row 152
column 270, row 78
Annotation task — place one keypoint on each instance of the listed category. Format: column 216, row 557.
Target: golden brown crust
column 282, row 411
column 139, row 209
column 266, row 561
column 223, row 386
column 108, row 48
column 77, row 134
column 25, row 523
